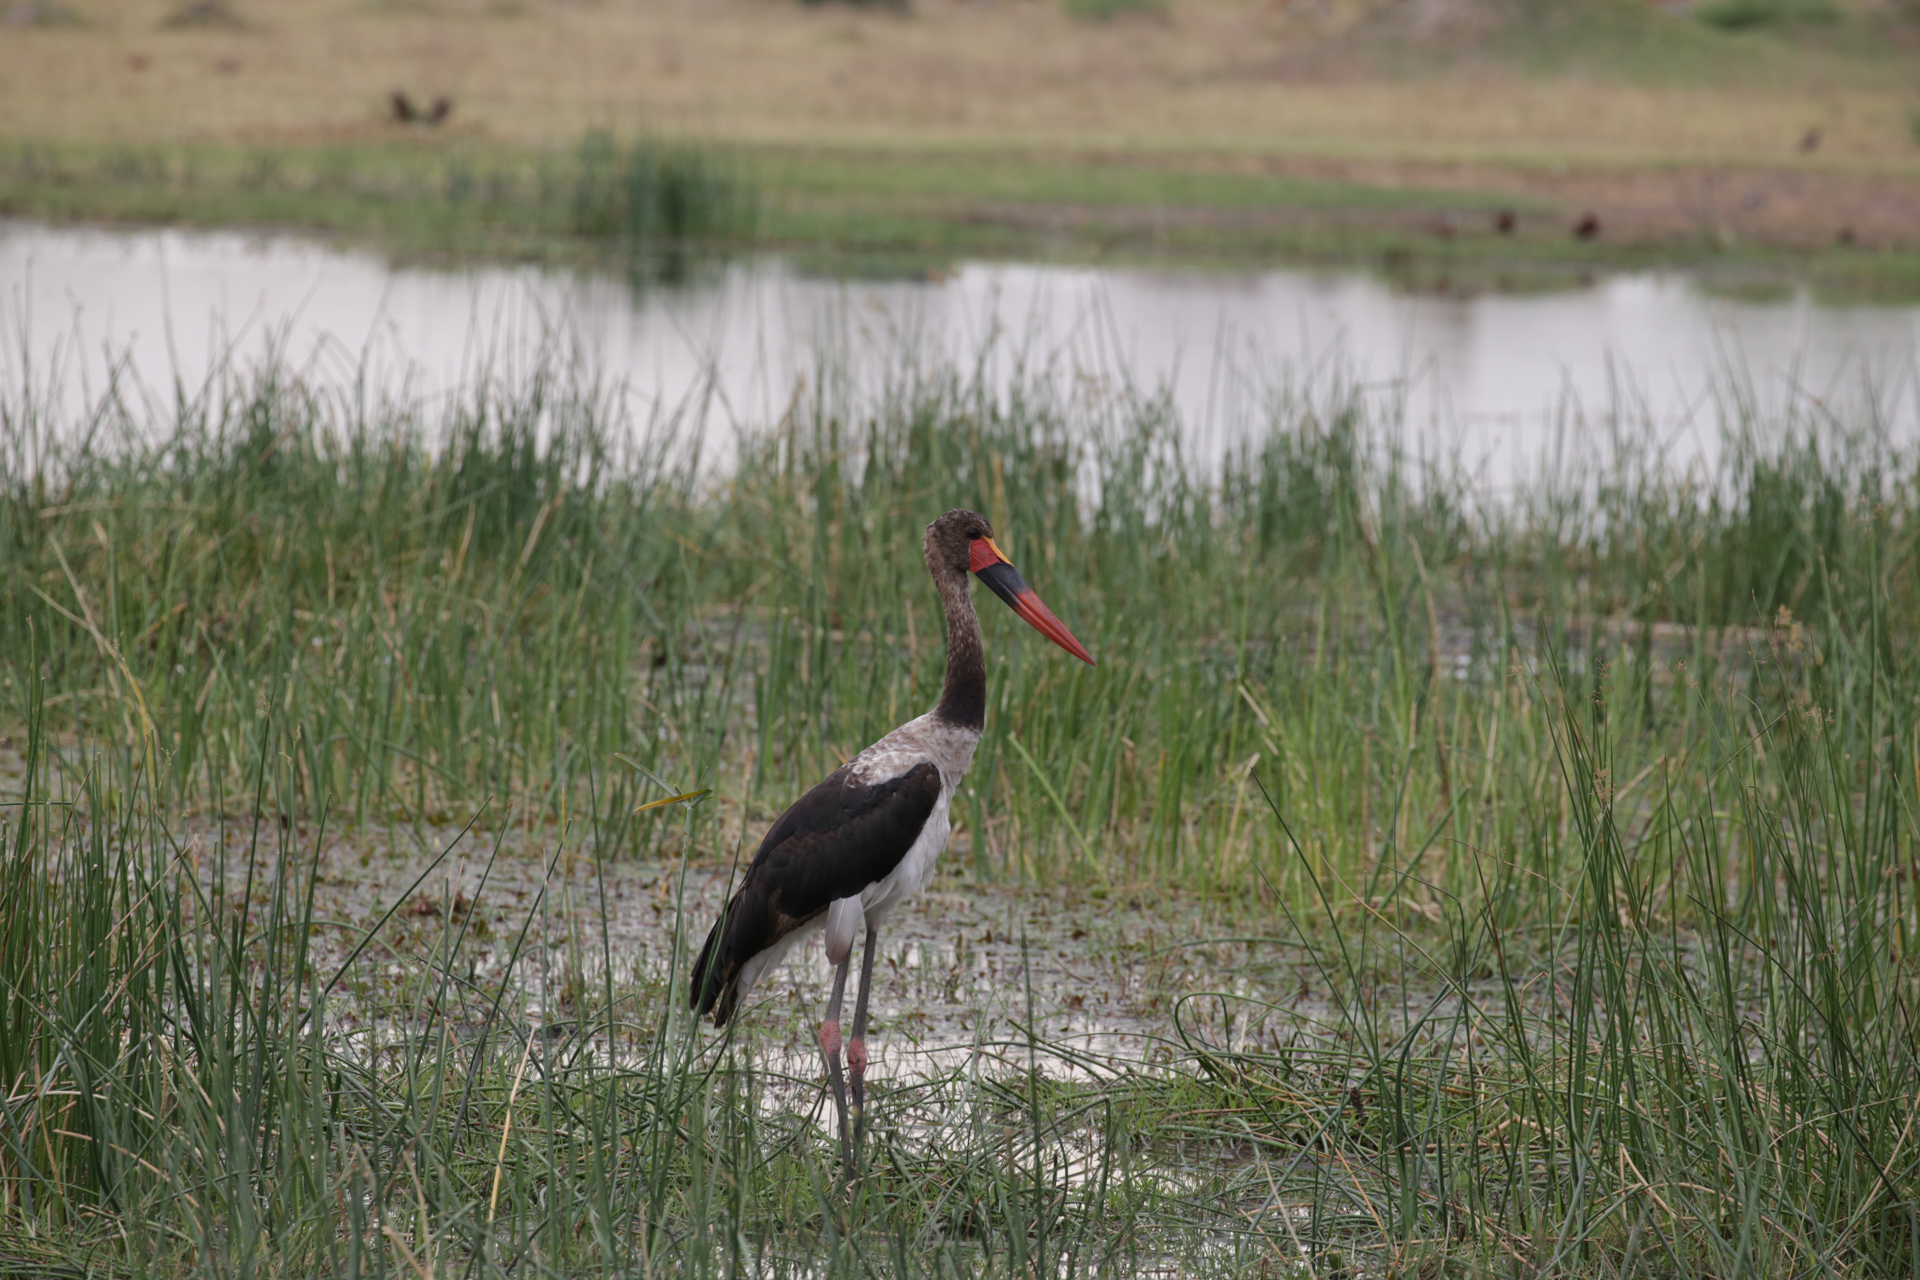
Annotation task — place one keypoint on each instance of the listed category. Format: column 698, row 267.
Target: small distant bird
column 1588, row 227
column 856, row 846
column 1810, row 140
column 1845, row 238
column 404, row 112
column 1504, row 221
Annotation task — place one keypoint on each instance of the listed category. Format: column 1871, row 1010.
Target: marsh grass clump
column 1748, row 15
column 1586, row 818
column 276, row 554
column 898, row 6
column 1670, row 1072
column 655, row 192
column 203, row 15
column 1109, row 10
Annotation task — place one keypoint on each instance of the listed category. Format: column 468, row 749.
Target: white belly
column 915, row 871
column 908, row 877
column 951, row 750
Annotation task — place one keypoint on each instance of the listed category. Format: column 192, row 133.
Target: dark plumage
column 831, row 843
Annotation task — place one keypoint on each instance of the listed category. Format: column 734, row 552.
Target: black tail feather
column 708, row 978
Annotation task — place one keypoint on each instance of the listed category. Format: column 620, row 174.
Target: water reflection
column 1500, row 381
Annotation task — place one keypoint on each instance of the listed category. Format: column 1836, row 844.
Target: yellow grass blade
column 667, row 800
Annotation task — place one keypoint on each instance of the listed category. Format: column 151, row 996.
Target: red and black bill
column 1005, row 581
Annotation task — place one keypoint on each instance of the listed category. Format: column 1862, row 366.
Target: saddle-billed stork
column 863, row 841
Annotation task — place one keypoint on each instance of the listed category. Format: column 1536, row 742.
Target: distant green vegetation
column 1742, row 15
column 653, row 205
column 641, row 197
column 1108, row 10
column 1703, row 46
column 653, row 193
column 1594, row 811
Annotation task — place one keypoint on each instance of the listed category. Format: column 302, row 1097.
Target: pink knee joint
column 830, row 1039
column 857, row 1055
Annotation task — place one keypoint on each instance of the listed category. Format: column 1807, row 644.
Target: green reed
column 1697, row 1055
column 1592, row 811
column 533, row 587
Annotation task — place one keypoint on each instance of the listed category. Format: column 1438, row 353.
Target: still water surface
column 1508, row 384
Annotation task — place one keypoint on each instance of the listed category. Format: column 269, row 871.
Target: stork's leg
column 830, row 1047
column 857, row 1045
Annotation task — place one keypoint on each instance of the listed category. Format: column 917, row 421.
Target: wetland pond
column 1252, row 1063
column 1508, row 387
column 1511, row 386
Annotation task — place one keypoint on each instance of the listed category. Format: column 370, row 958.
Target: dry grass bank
column 1230, row 78
column 1670, row 134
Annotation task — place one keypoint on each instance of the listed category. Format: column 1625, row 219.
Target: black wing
column 833, row 842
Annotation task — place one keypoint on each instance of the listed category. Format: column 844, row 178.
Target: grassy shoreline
column 913, row 212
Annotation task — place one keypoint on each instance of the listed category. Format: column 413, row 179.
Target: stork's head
column 961, row 541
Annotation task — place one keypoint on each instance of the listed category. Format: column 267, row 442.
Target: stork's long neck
column 963, row 699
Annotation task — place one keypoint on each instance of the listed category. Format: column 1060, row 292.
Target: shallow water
column 970, row 976
column 1511, row 385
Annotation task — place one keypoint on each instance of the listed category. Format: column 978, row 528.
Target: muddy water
column 1507, row 384
column 967, row 974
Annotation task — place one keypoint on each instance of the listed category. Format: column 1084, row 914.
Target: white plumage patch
column 843, row 922
column 950, row 748
column 925, row 739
